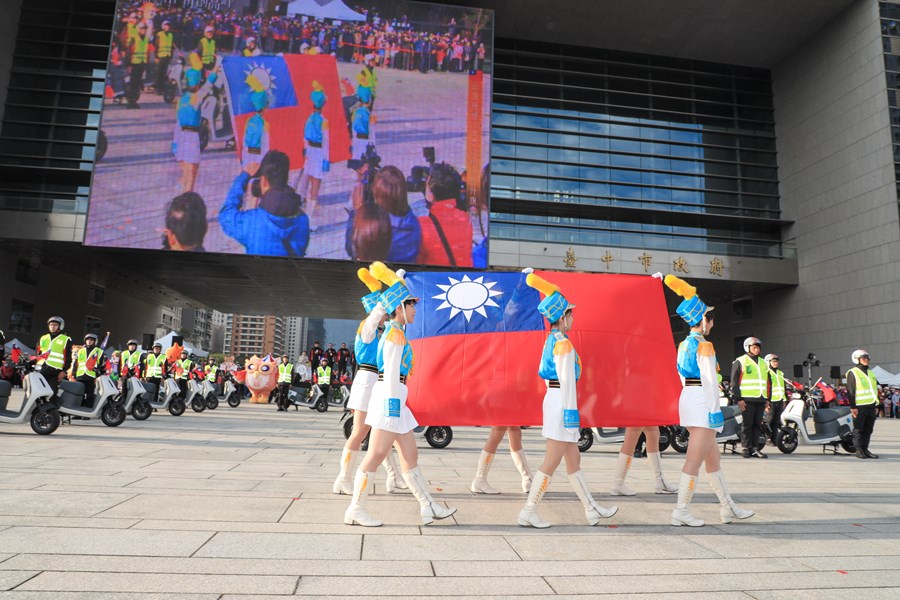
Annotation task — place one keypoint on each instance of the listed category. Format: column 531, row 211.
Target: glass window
column 21, row 316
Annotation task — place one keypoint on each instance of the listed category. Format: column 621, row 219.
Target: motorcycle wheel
column 113, row 415
column 321, row 405
column 169, row 94
column 102, row 146
column 365, row 444
column 197, row 404
column 847, row 445
column 212, row 402
column 348, row 428
column 787, row 440
column 664, row 434
column 680, row 438
column 586, row 440
column 640, row 449
column 45, row 423
column 204, row 134
column 141, row 411
column 234, row 402
column 439, row 437
column 176, row 408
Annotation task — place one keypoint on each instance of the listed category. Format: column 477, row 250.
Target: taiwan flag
column 478, row 338
column 287, row 79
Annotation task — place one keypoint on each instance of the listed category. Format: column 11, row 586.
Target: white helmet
column 858, row 354
column 59, row 321
column 251, row 40
column 771, row 357
column 750, row 341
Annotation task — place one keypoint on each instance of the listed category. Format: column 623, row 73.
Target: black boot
column 860, row 454
column 869, row 454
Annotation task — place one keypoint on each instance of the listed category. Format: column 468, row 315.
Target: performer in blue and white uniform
column 698, row 409
column 366, row 349
column 560, row 368
column 389, row 416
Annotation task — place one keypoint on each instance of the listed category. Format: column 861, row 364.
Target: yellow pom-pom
column 195, row 61
column 395, row 335
column 563, row 347
column 317, row 86
column 541, row 284
column 706, row 349
column 382, row 273
column 681, row 287
column 254, row 83
column 367, row 278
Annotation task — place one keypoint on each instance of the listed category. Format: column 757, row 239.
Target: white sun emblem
column 263, row 74
column 467, row 296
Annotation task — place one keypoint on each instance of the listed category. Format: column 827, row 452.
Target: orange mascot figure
column 261, row 378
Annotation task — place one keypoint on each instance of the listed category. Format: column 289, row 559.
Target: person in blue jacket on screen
column 278, row 226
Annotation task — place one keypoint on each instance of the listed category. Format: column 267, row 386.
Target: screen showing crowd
column 335, row 131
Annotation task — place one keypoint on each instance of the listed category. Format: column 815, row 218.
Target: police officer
column 251, row 49
column 183, row 373
column 285, row 372
column 130, row 364
column 165, row 46
column 323, row 377
column 155, row 366
column 212, row 371
column 207, row 49
column 139, row 54
column 88, row 361
column 779, row 394
column 750, row 388
column 58, row 348
column 343, row 359
column 862, row 388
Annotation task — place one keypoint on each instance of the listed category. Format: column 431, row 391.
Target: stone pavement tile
column 11, row 579
column 213, row 566
column 544, row 568
column 759, row 526
column 95, row 522
column 539, row 596
column 57, row 504
column 422, row 586
column 630, row 584
column 192, row 483
column 846, row 563
column 401, row 509
column 192, row 465
column 788, row 594
column 80, row 479
column 282, row 527
column 284, row 545
column 600, row 547
column 199, row 508
column 160, row 491
column 165, row 583
column 291, row 487
column 102, row 466
column 811, row 544
column 19, row 595
column 427, row 547
column 24, row 462
column 5, row 557
column 225, row 453
column 72, row 540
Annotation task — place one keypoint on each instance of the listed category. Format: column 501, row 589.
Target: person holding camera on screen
column 278, row 226
column 186, row 224
column 446, row 230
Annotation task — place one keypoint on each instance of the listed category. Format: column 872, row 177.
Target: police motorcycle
column 107, row 404
column 195, row 398
column 833, row 426
column 616, row 435
column 169, row 398
column 437, row 436
column 175, row 84
column 230, row 393
column 37, row 408
column 215, row 113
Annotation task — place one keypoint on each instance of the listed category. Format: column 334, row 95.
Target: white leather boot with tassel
column 430, row 510
column 518, row 457
column 622, row 466
column 729, row 510
column 662, row 487
column 394, row 482
column 593, row 511
column 528, row 516
column 682, row 513
column 356, row 513
column 480, row 485
column 344, row 482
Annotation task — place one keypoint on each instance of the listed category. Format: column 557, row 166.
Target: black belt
column 692, row 382
column 360, row 136
column 314, row 144
column 370, row 368
column 402, row 378
column 252, row 150
column 190, row 128
column 553, row 383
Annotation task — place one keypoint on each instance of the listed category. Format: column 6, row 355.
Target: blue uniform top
column 366, row 354
column 360, row 120
column 687, row 356
column 188, row 110
column 548, row 362
column 313, row 130
column 253, row 133
column 406, row 363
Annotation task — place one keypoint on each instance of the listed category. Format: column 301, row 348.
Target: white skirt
column 693, row 411
column 376, row 418
column 312, row 167
column 553, row 419
column 361, row 390
column 187, row 145
column 359, row 147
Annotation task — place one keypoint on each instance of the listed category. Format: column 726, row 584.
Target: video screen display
column 314, row 128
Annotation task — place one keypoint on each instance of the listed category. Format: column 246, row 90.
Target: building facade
column 257, row 334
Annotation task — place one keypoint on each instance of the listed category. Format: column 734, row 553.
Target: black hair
column 186, row 219
column 445, row 184
column 275, row 166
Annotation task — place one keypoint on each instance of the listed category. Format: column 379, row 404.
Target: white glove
column 657, row 275
column 401, row 273
column 527, row 270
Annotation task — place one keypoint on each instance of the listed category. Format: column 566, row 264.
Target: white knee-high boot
column 662, row 487
column 593, row 511
column 528, row 516
column 518, row 457
column 356, row 513
column 729, row 510
column 394, row 481
column 682, row 513
column 623, row 464
column 430, row 510
column 480, row 485
column 344, row 482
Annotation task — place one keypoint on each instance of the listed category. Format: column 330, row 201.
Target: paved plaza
column 237, row 503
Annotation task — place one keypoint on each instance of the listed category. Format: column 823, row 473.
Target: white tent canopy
column 166, row 342
column 16, row 342
column 884, row 377
column 324, row 9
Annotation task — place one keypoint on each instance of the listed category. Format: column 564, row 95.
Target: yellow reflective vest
column 284, row 372
column 754, row 377
column 155, row 365
column 323, row 376
column 83, row 356
column 866, row 387
column 57, row 348
column 777, row 385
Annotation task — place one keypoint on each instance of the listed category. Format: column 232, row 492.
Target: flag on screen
column 478, row 338
column 287, row 79
column 828, row 393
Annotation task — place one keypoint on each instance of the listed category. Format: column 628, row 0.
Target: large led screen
column 314, row 128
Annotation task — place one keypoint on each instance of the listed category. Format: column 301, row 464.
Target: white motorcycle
column 38, row 408
column 107, row 403
column 170, row 398
column 833, row 426
column 195, row 398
